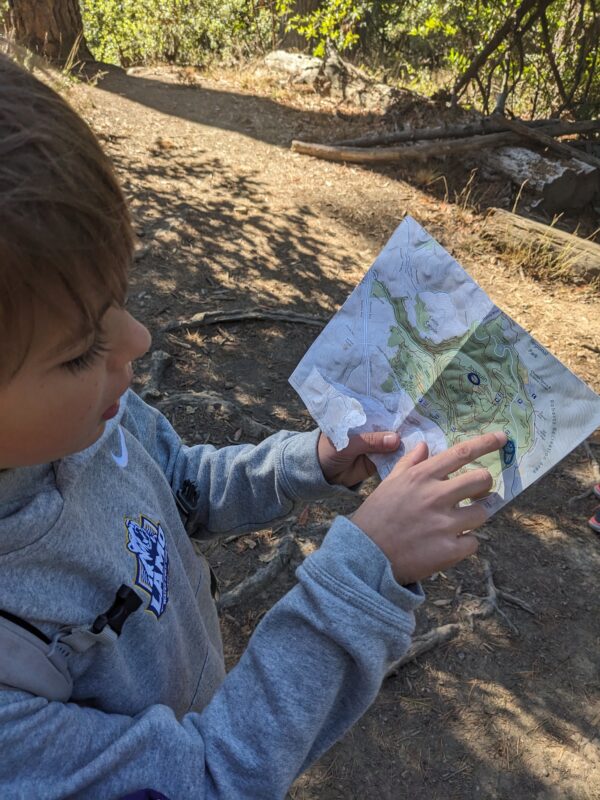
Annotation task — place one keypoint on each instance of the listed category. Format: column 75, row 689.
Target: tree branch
column 512, row 23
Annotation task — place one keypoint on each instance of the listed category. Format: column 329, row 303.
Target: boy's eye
column 87, row 359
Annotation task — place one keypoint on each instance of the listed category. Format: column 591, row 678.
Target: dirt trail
column 227, row 218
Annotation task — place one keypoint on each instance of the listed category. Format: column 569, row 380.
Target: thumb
column 374, row 442
column 419, row 453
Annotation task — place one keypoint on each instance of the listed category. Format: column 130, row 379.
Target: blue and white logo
column 147, row 541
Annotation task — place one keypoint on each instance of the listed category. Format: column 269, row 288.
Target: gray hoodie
column 155, row 709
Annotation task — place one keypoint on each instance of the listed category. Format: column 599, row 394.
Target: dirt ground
column 229, row 218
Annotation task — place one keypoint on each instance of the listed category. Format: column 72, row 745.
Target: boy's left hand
column 352, row 465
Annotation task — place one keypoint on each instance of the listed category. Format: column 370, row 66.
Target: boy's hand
column 351, row 465
column 413, row 515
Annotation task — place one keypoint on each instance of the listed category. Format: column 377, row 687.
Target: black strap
column 24, row 624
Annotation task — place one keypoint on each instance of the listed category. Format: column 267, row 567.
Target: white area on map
column 419, row 348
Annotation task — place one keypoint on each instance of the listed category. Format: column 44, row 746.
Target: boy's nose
column 140, row 339
column 133, row 341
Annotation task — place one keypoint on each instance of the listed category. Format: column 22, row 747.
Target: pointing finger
column 464, row 453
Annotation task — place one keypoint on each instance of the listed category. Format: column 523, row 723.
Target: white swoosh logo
column 123, row 457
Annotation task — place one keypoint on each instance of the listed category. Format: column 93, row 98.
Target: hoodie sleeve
column 313, row 666
column 242, row 487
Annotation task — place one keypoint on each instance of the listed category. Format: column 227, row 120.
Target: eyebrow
column 69, row 343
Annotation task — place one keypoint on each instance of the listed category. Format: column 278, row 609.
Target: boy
column 98, row 498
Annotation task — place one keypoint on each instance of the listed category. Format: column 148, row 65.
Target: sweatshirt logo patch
column 147, row 541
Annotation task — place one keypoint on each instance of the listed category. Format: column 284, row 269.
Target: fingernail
column 390, row 440
column 501, row 437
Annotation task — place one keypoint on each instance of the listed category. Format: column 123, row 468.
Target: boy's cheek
column 39, row 427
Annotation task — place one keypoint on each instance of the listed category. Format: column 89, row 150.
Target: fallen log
column 484, row 125
column 419, row 151
column 578, row 256
column 558, row 184
column 541, row 137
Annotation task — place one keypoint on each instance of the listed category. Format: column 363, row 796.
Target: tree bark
column 51, row 28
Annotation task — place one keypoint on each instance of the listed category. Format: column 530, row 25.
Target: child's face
column 68, row 386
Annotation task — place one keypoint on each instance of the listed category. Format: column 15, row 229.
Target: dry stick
column 261, row 578
column 243, row 315
column 212, row 402
column 591, row 347
column 158, row 366
column 419, row 151
column 444, row 633
column 541, row 137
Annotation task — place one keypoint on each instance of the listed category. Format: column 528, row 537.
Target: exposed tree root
column 486, row 607
column 258, row 581
column 158, row 366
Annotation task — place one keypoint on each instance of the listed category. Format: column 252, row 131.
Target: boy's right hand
column 413, row 515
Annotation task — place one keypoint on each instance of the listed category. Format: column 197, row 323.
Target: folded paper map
column 419, row 348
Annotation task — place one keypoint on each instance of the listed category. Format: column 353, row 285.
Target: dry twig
column 243, row 315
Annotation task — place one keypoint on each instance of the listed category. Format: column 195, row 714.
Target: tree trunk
column 51, row 28
column 291, row 40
